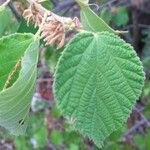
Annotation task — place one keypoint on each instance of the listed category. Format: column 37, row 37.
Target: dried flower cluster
column 33, row 14
column 54, row 29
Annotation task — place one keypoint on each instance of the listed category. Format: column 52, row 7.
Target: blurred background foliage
column 47, row 129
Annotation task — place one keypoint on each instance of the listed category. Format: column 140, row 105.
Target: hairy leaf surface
column 97, row 82
column 15, row 99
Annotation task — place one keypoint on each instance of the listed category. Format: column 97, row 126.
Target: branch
column 133, row 128
column 14, row 11
column 142, row 116
column 63, row 5
column 138, row 124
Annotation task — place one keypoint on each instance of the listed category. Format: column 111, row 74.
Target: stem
column 37, row 5
column 40, row 7
column 121, row 32
column 14, row 11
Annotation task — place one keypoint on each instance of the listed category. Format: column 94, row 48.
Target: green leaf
column 74, row 147
column 24, row 28
column 40, row 136
column 8, row 23
column 15, row 98
column 91, row 21
column 147, row 139
column 12, row 49
column 56, row 137
column 106, row 15
column 121, row 16
column 47, row 4
column 20, row 143
column 98, row 80
column 5, row 16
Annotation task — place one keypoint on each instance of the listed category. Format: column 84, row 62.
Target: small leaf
column 56, row 137
column 47, row 4
column 15, row 99
column 91, row 21
column 121, row 16
column 97, row 82
column 4, row 19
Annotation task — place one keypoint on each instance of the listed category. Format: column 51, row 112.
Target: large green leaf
column 15, row 98
column 91, row 21
column 98, row 80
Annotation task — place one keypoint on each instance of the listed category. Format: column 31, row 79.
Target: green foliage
column 120, row 17
column 98, row 80
column 146, row 48
column 24, row 28
column 55, row 112
column 40, row 137
column 10, row 55
column 17, row 83
column 73, row 147
column 142, row 141
column 147, row 109
column 146, row 90
column 67, row 137
column 112, row 142
column 1, row 9
column 36, row 135
column 8, row 23
column 47, row 4
column 73, row 140
column 3, row 18
column 51, row 57
column 106, row 15
column 91, row 21
column 20, row 143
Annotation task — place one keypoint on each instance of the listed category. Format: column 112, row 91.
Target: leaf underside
column 15, row 100
column 97, row 82
column 12, row 49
